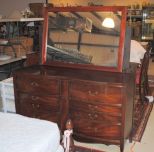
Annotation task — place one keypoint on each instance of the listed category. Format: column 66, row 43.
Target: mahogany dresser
column 99, row 103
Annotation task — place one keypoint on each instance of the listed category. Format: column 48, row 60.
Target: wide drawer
column 95, row 91
column 104, row 118
column 37, row 85
column 94, row 107
column 98, row 130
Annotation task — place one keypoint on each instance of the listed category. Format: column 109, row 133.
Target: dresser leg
column 121, row 147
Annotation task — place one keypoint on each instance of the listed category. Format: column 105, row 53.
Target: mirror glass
column 83, row 38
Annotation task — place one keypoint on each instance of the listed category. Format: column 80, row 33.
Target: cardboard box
column 22, row 46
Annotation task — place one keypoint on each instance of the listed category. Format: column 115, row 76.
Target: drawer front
column 37, row 85
column 98, row 130
column 104, row 118
column 27, row 109
column 94, row 91
column 40, row 101
column 41, row 108
column 95, row 107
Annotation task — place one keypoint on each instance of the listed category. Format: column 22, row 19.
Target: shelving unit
column 134, row 19
column 148, row 23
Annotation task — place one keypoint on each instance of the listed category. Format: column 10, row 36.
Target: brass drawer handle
column 89, row 114
column 38, row 106
column 95, row 129
column 92, row 93
column 34, row 84
column 89, row 105
column 33, row 106
column 96, row 107
column 96, row 116
column 34, row 98
column 89, row 127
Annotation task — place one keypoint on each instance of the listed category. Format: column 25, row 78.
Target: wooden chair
column 143, row 84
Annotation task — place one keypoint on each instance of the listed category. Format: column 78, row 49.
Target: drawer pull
column 96, row 107
column 33, row 106
column 89, row 127
column 95, row 129
column 89, row 114
column 96, row 116
column 93, row 93
column 89, row 106
column 34, row 98
column 34, row 84
column 38, row 106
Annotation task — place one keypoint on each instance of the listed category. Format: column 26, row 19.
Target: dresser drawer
column 28, row 110
column 37, row 85
column 42, row 107
column 39, row 101
column 95, row 117
column 94, row 91
column 95, row 107
column 96, row 130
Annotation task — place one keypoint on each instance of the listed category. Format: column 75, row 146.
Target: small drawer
column 40, row 101
column 97, row 130
column 95, row 107
column 38, row 85
column 42, row 107
column 94, row 91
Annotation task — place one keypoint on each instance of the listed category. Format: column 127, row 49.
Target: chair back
column 143, row 80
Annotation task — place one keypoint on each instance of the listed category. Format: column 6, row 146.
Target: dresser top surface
column 43, row 70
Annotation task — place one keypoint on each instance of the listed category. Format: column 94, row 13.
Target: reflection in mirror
column 79, row 37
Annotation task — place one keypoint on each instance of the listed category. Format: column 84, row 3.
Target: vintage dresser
column 95, row 89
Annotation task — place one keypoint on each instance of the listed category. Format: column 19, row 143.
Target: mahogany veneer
column 100, row 104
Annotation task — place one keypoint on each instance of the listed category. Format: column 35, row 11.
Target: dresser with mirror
column 84, row 74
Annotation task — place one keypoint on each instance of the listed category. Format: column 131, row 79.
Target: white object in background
column 23, row 134
column 136, row 52
column 150, row 98
column 7, row 94
column 4, row 57
column 66, row 140
column 3, row 41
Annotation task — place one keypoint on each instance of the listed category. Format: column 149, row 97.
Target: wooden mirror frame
column 123, row 11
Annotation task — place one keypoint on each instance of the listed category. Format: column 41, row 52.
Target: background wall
column 8, row 6
column 100, row 2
